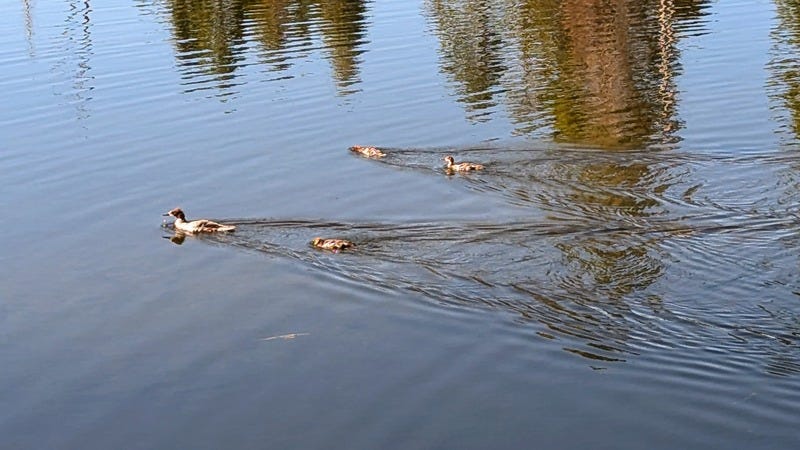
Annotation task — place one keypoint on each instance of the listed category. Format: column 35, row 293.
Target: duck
column 196, row 226
column 369, row 152
column 334, row 245
column 460, row 167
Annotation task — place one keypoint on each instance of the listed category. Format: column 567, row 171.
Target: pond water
column 623, row 274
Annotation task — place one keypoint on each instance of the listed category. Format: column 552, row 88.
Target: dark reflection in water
column 27, row 12
column 75, row 55
column 595, row 72
column 785, row 65
column 215, row 40
column 472, row 51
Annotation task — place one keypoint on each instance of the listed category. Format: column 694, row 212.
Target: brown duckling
column 460, row 167
column 196, row 226
column 369, row 152
column 334, row 245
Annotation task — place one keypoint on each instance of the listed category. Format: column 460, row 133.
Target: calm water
column 623, row 275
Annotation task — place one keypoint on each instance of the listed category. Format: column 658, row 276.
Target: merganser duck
column 334, row 245
column 196, row 226
column 460, row 167
column 369, row 152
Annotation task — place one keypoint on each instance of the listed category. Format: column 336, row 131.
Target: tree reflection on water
column 785, row 65
column 598, row 72
column 214, row 39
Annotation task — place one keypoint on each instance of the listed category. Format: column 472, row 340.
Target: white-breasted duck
column 196, row 226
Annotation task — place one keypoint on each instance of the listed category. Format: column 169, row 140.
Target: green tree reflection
column 598, row 72
column 472, row 50
column 785, row 65
column 216, row 38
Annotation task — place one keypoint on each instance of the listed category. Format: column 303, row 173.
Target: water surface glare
column 622, row 274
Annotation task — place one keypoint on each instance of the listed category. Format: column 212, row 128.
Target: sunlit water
column 622, row 274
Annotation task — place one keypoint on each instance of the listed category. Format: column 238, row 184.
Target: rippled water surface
column 622, row 274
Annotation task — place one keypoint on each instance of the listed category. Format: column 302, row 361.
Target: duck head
column 177, row 213
column 449, row 159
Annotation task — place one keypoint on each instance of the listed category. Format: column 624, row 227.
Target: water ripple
column 613, row 186
column 600, row 288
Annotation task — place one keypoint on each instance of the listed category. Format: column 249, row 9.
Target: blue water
column 623, row 274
